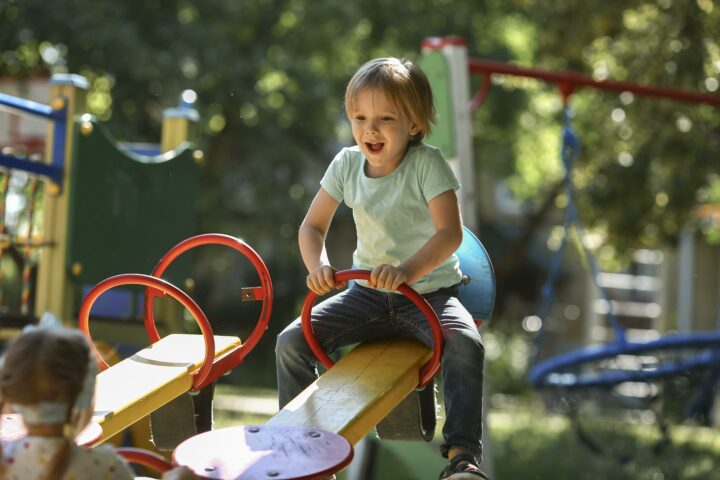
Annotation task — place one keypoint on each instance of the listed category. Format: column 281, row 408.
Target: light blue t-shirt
column 391, row 213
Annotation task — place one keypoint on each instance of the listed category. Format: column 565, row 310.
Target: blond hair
column 405, row 85
column 46, row 365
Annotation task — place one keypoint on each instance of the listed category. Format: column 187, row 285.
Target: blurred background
column 267, row 79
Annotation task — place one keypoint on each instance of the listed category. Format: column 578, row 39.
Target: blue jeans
column 360, row 313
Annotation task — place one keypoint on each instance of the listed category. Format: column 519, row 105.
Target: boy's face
column 381, row 130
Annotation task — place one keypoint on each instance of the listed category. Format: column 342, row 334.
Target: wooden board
column 360, row 390
column 136, row 386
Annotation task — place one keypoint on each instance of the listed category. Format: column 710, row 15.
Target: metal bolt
column 58, row 103
column 273, row 473
column 86, row 128
column 52, row 188
column 210, row 469
column 314, row 434
column 253, row 429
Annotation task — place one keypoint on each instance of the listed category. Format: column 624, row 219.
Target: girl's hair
column 46, row 365
column 404, row 83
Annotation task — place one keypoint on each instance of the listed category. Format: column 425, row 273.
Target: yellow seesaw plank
column 359, row 390
column 139, row 385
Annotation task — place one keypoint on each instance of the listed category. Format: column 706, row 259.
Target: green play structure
column 127, row 210
column 106, row 209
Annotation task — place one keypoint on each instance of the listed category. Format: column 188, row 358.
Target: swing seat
column 596, row 365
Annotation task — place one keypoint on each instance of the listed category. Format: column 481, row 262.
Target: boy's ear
column 414, row 130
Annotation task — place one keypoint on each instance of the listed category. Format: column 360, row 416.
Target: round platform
column 12, row 428
column 260, row 452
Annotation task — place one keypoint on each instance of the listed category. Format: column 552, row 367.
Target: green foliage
column 644, row 160
column 507, row 357
column 270, row 76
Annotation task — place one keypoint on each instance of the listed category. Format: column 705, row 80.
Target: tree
column 270, row 75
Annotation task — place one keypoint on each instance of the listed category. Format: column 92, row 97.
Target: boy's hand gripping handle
column 428, row 371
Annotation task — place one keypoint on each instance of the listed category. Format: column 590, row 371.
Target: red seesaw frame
column 165, row 287
column 263, row 292
column 428, row 371
column 208, row 371
column 146, row 458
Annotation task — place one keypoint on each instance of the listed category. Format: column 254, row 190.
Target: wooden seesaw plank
column 139, row 385
column 359, row 390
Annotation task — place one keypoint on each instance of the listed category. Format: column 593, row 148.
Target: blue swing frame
column 562, row 371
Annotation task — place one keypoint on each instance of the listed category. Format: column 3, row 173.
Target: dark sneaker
column 463, row 467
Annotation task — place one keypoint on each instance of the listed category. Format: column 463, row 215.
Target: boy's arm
column 445, row 213
column 311, row 239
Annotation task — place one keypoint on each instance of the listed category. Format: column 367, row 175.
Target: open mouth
column 374, row 147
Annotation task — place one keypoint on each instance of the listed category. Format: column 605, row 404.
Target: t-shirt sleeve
column 334, row 179
column 436, row 176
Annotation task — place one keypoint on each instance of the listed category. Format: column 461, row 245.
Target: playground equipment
column 342, row 406
column 151, row 460
column 258, row 452
column 100, row 203
column 351, row 398
column 59, row 114
column 477, row 287
column 622, row 361
column 176, row 364
column 603, row 366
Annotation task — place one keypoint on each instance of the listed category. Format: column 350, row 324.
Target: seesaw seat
column 133, row 388
column 353, row 396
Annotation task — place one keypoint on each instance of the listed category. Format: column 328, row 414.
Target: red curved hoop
column 428, row 371
column 158, row 285
column 265, row 293
column 146, row 458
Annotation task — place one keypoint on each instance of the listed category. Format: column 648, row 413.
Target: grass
column 225, row 418
column 532, row 445
column 529, row 443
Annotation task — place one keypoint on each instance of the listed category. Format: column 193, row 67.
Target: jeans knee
column 464, row 346
column 289, row 341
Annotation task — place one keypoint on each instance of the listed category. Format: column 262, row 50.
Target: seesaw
column 333, row 413
column 349, row 400
column 366, row 387
column 313, row 435
column 176, row 364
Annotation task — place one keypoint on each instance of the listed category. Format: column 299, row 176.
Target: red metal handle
column 158, row 285
column 240, row 246
column 428, row 371
column 146, row 458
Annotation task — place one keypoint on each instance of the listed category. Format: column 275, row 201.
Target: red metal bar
column 157, row 284
column 428, row 371
column 264, row 293
column 569, row 81
column 481, row 94
column 145, row 458
column 252, row 294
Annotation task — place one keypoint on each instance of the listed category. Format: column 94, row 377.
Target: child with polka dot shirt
column 48, row 377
